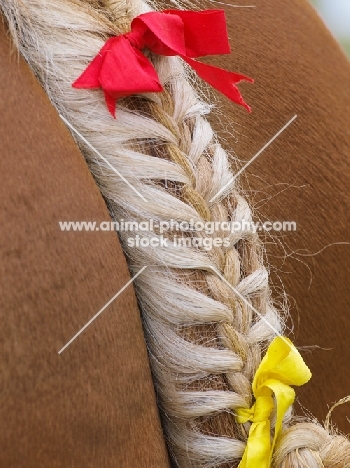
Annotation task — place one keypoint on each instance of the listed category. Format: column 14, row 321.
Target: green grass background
column 343, row 40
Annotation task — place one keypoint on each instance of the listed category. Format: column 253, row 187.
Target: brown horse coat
column 94, row 404
column 299, row 69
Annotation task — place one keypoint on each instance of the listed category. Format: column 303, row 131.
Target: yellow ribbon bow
column 281, row 367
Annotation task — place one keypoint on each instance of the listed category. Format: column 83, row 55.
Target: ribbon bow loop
column 121, row 69
column 163, row 32
column 281, row 367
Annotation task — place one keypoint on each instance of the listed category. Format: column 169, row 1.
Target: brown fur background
column 299, row 69
column 94, row 404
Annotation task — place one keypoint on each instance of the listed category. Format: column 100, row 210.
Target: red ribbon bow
column 121, row 69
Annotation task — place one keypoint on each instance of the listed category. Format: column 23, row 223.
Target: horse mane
column 207, row 313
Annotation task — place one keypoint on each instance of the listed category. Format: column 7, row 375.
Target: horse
column 94, row 404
